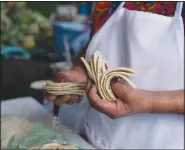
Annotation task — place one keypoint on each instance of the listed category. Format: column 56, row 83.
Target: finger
column 119, row 88
column 114, row 109
column 57, row 77
column 70, row 102
column 79, row 99
column 92, row 93
column 118, row 111
column 73, row 99
column 104, row 106
column 60, row 76
column 64, row 97
column 114, row 80
column 60, row 100
column 111, row 115
column 89, row 84
column 49, row 97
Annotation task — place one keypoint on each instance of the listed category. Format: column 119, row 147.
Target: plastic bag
column 39, row 136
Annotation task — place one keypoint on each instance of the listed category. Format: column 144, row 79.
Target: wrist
column 142, row 100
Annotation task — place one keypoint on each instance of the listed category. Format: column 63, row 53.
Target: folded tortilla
column 102, row 75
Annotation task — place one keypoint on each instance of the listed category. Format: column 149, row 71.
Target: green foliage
column 21, row 25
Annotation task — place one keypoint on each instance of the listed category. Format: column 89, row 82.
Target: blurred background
column 37, row 39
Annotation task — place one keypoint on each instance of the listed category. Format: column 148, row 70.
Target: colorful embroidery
column 101, row 14
column 161, row 8
column 103, row 10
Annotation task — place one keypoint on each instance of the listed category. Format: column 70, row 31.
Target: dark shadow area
column 17, row 76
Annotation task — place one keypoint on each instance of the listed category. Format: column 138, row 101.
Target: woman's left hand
column 127, row 103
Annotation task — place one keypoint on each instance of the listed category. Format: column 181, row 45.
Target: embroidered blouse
column 103, row 10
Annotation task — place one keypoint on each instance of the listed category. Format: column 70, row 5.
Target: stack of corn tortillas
column 65, row 88
column 100, row 73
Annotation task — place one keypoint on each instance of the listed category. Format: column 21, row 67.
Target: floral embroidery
column 101, row 14
column 161, row 8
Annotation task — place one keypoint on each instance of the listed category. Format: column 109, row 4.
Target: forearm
column 163, row 102
column 168, row 102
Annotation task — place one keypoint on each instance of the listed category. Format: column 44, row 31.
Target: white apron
column 152, row 45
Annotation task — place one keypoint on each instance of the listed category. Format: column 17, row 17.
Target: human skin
column 76, row 74
column 131, row 101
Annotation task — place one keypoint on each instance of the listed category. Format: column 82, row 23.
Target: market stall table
column 29, row 108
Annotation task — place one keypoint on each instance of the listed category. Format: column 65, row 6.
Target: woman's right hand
column 76, row 74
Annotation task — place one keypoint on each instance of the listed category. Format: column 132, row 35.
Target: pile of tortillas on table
column 65, row 88
column 54, row 146
column 100, row 73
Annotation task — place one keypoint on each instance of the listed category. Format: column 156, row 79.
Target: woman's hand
column 126, row 103
column 131, row 101
column 77, row 74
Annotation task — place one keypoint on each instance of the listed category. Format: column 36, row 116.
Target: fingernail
column 113, row 82
column 74, row 97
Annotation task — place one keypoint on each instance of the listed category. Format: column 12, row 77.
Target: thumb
column 119, row 89
column 89, row 85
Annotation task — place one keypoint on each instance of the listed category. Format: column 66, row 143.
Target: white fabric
column 153, row 46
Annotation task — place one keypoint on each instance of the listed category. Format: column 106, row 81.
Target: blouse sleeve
column 102, row 11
